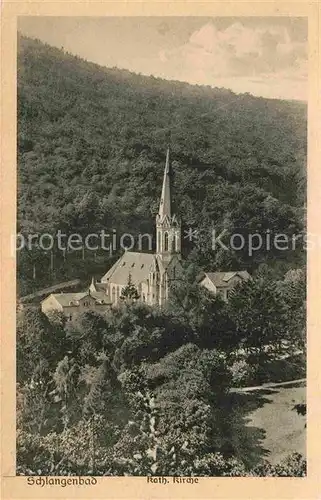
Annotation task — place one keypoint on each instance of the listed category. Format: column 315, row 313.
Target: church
column 151, row 273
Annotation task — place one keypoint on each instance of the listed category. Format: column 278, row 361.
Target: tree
column 205, row 314
column 146, row 333
column 36, row 412
column 257, row 310
column 293, row 290
column 129, row 292
column 293, row 465
column 188, row 386
column 89, row 333
column 75, row 451
column 105, row 396
column 66, row 380
column 39, row 345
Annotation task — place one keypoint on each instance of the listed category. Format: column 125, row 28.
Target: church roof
column 96, row 286
column 221, row 279
column 72, row 299
column 137, row 264
column 101, row 287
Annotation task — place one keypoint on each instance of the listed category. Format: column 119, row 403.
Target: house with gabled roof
column 74, row 303
column 222, row 282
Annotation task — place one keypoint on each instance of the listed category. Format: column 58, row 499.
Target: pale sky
column 263, row 56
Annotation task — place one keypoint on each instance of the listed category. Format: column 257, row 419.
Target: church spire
column 168, row 225
column 165, row 206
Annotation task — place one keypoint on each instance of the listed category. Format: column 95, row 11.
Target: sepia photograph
column 161, row 247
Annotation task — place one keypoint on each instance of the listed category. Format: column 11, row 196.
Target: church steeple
column 165, row 205
column 168, row 226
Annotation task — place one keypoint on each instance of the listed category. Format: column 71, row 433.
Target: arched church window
column 176, row 242
column 173, row 244
column 159, row 236
column 166, row 242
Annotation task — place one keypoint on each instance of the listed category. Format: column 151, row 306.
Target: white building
column 222, row 283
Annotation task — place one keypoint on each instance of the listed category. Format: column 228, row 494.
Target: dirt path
column 267, row 386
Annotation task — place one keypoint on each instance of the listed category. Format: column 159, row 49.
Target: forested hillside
column 147, row 391
column 143, row 390
column 91, row 151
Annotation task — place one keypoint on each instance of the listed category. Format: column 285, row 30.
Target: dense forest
column 148, row 391
column 91, row 151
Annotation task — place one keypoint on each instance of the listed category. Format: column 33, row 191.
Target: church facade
column 151, row 273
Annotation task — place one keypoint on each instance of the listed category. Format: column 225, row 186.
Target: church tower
column 153, row 274
column 168, row 224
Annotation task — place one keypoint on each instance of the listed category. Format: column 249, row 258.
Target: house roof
column 221, row 279
column 137, row 264
column 101, row 287
column 97, row 286
column 65, row 299
column 100, row 297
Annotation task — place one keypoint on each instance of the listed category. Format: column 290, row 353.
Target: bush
column 245, row 373
column 293, row 465
column 241, row 373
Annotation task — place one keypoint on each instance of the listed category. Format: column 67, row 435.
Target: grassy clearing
column 284, row 429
